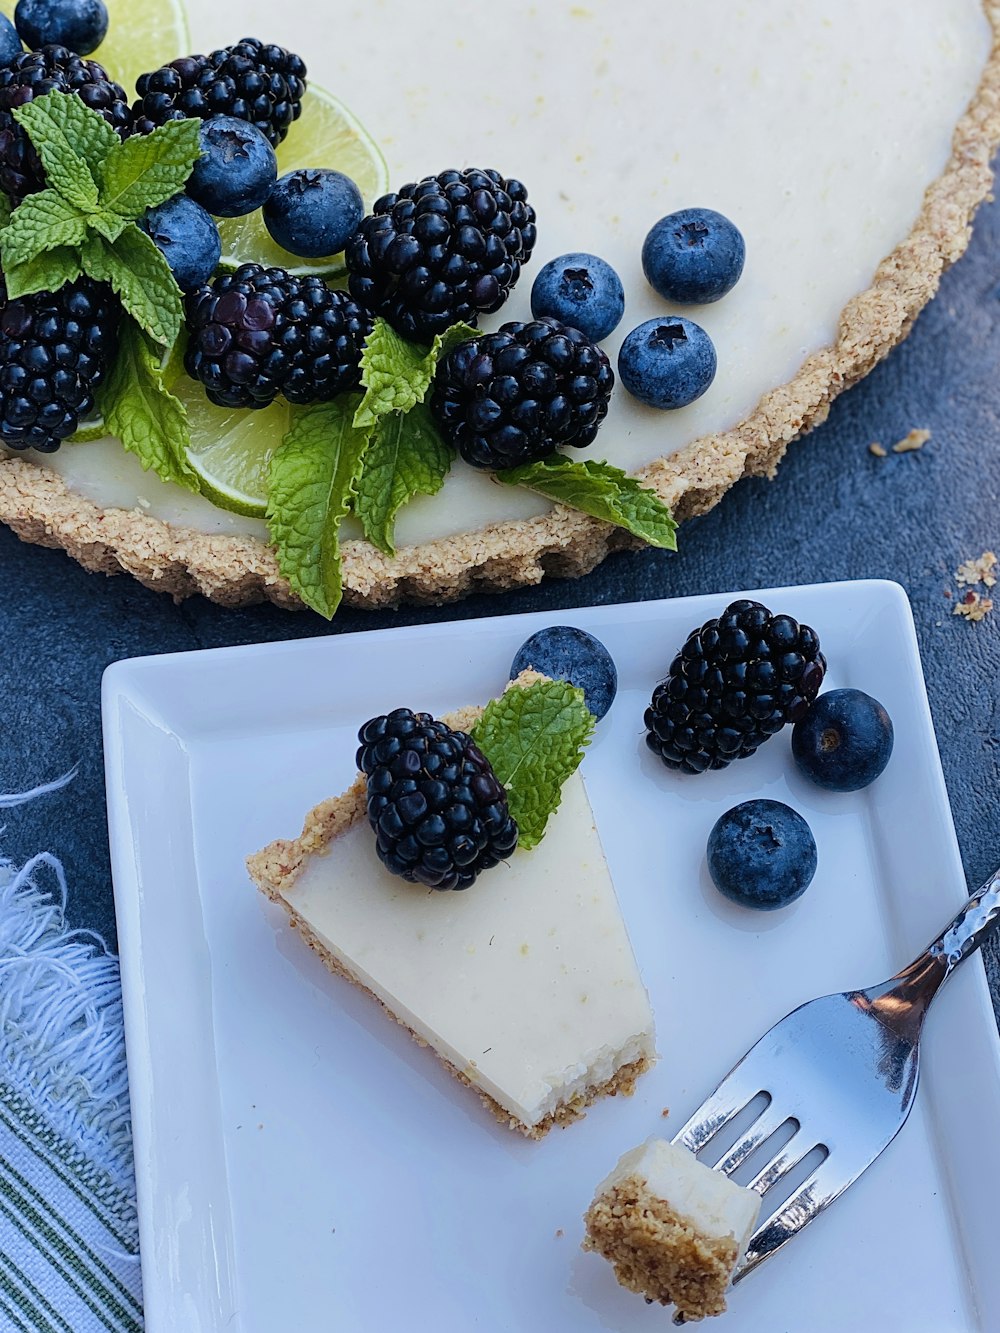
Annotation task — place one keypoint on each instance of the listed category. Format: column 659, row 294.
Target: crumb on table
column 977, row 571
column 915, row 440
column 973, row 607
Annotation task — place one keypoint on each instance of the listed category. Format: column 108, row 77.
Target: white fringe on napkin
column 67, row 1192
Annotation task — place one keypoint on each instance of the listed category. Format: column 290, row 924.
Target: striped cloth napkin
column 69, row 1246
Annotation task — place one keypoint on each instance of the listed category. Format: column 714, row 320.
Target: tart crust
column 238, row 571
column 659, row 1253
column 276, row 868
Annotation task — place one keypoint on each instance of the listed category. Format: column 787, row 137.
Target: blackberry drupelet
column 259, row 332
column 515, row 396
column 737, row 681
column 33, row 74
column 252, row 81
column 55, row 348
column 443, row 249
column 439, row 813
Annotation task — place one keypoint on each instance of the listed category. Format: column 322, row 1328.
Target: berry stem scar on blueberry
column 668, row 335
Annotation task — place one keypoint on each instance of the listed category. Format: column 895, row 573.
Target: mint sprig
column 602, row 491
column 85, row 220
column 139, row 408
column 397, row 374
column 313, row 475
column 534, row 739
column 406, row 457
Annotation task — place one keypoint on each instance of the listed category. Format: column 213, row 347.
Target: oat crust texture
column 276, row 867
column 238, row 570
column 659, row 1253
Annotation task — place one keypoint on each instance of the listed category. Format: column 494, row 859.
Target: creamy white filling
column 815, row 126
column 525, row 982
column 710, row 1201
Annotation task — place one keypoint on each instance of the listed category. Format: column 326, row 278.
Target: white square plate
column 303, row 1165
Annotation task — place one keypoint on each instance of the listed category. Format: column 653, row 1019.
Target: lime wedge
column 325, row 135
column 141, row 38
column 231, row 448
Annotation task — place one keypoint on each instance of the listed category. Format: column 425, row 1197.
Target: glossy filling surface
column 815, row 127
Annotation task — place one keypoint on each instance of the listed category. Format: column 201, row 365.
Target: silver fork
column 843, row 1069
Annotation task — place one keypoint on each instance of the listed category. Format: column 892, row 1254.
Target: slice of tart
column 524, row 984
column 854, row 193
column 673, row 1229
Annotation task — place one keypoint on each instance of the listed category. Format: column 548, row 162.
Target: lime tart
column 673, row 1228
column 514, row 967
column 848, row 148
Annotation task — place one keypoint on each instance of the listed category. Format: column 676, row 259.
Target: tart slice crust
column 658, row 1252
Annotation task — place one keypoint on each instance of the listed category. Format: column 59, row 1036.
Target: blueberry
column 581, row 290
column 313, row 213
column 78, row 24
column 10, row 43
column 188, row 237
column 761, row 854
column 844, row 741
column 237, row 168
column 667, row 362
column 566, row 653
column 694, row 256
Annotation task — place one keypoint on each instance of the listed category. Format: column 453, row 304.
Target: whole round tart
column 850, row 143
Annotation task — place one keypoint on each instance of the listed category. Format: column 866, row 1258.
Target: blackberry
column 514, row 396
column 259, row 332
column 439, row 814
column 737, row 681
column 33, row 74
column 443, row 249
column 55, row 348
column 252, row 81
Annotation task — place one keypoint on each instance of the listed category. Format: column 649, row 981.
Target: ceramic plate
column 302, row 1164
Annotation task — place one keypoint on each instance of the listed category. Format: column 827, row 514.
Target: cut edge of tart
column 239, row 570
column 672, row 1228
column 527, row 953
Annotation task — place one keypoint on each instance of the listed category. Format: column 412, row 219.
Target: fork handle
column 971, row 928
column 917, row 984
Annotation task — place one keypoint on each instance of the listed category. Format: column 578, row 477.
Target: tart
column 852, row 207
column 524, row 985
column 673, row 1229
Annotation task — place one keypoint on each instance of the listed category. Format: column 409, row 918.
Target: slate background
column 834, row 512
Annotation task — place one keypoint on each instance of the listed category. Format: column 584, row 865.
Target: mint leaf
column 6, row 208
column 42, row 222
column 396, row 374
column 534, row 739
column 599, row 489
column 406, row 457
column 72, row 141
column 46, row 273
column 141, row 276
column 139, row 408
column 107, row 224
column 392, row 373
column 313, row 475
column 148, row 169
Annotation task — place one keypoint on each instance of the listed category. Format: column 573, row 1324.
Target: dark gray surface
column 834, row 512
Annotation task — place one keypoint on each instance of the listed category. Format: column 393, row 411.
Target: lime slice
column 141, row 38
column 325, row 135
column 91, row 429
column 231, row 448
